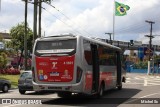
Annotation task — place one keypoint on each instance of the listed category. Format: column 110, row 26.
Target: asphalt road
column 139, row 90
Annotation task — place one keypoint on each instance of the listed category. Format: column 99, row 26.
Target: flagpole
column 113, row 19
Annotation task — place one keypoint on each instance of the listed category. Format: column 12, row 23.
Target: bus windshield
column 55, row 47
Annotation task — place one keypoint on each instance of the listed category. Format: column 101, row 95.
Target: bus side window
column 87, row 52
column 107, row 57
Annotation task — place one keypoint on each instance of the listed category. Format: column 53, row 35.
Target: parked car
column 5, row 85
column 25, row 82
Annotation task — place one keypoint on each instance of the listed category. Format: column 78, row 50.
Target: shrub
column 10, row 70
column 140, row 65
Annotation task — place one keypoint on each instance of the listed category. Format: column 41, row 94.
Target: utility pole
column 110, row 37
column 35, row 20
column 36, row 3
column 39, row 4
column 150, row 43
column 40, row 11
column 25, row 37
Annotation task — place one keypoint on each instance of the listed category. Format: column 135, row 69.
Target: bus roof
column 71, row 36
column 100, row 42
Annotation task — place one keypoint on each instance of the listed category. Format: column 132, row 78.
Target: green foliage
column 3, row 60
column 8, row 44
column 157, row 58
column 141, row 65
column 17, row 33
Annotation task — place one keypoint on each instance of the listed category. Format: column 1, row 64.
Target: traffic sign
column 148, row 51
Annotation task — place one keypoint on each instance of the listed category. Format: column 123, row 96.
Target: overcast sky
column 88, row 18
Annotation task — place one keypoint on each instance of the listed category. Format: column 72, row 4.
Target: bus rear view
column 53, row 63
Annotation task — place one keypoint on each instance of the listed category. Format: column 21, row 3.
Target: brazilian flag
column 120, row 9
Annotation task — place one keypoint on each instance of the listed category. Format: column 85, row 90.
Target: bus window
column 87, row 52
column 63, row 47
column 107, row 56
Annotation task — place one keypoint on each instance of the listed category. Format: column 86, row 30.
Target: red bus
column 70, row 64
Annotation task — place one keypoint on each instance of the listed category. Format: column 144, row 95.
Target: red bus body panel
column 55, row 69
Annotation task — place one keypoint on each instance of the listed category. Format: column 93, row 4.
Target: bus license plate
column 54, row 74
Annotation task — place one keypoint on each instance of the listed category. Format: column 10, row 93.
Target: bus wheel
column 64, row 94
column 119, row 87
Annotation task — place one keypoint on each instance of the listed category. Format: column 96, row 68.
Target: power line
column 61, row 21
column 135, row 28
column 67, row 17
column 58, row 18
column 132, row 27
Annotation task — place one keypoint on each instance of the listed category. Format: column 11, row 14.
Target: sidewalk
column 155, row 74
column 143, row 74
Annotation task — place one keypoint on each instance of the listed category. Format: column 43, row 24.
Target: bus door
column 119, row 72
column 95, row 66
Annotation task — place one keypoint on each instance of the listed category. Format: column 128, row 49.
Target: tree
column 3, row 60
column 17, row 33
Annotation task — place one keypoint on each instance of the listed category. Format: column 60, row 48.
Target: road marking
column 128, row 78
column 54, row 97
column 157, row 76
column 137, row 78
column 148, row 77
column 151, row 84
column 127, row 102
column 12, row 105
column 149, row 95
column 128, row 81
column 145, row 82
column 154, row 81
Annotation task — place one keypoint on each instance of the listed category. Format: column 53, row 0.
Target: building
column 6, row 36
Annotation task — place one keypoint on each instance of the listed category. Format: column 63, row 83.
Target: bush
column 2, row 71
column 10, row 70
column 141, row 65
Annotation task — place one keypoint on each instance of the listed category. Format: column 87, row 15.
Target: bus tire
column 119, row 87
column 64, row 94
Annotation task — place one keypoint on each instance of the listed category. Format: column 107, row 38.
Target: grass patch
column 12, row 78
